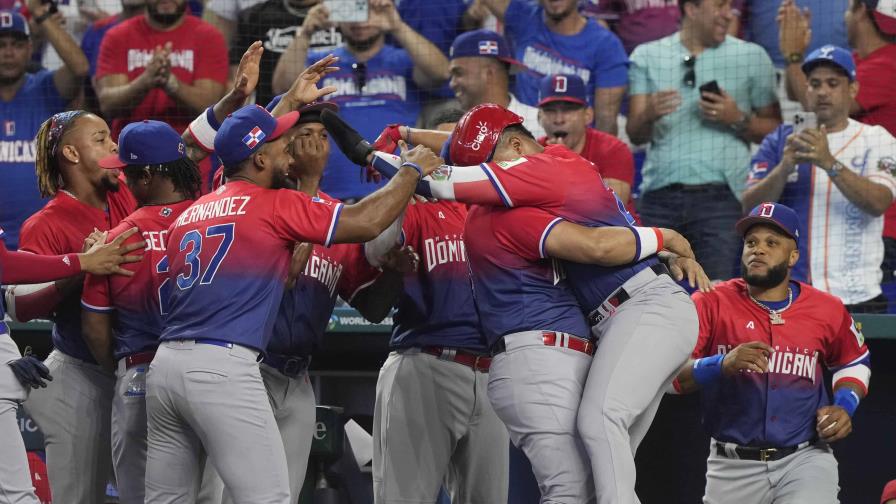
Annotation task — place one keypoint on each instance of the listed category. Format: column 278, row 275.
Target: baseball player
column 507, row 253
column 122, row 318
column 204, row 383
column 658, row 315
column 20, row 374
column 74, row 411
column 764, row 341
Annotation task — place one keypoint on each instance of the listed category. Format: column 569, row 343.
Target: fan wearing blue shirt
column 555, row 38
column 26, row 100
column 377, row 83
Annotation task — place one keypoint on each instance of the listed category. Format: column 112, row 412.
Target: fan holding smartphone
column 717, row 106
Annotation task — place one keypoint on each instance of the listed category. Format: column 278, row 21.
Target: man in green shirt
column 699, row 140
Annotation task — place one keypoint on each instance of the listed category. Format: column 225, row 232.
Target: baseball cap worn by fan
column 246, row 130
column 484, row 44
column 884, row 12
column 146, row 143
column 12, row 22
column 831, row 55
column 773, row 214
column 562, row 88
column 475, row 136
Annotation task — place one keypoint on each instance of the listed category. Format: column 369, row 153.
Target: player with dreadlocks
column 122, row 321
column 73, row 412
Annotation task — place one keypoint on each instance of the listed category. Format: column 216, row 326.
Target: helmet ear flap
column 476, row 134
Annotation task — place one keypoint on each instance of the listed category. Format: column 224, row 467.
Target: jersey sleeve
column 763, row 91
column 524, row 230
column 113, row 54
column 638, row 72
column 767, row 156
column 40, row 239
column 95, row 296
column 297, row 217
column 357, row 275
column 884, row 169
column 846, row 353
column 211, row 63
column 707, row 307
column 611, row 67
column 522, row 182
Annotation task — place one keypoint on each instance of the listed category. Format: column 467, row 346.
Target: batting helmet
column 476, row 134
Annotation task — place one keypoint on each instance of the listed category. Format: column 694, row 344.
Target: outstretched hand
column 421, row 156
column 247, row 72
column 304, row 89
column 106, row 258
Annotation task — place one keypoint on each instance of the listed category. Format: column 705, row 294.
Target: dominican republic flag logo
column 489, row 47
column 254, row 137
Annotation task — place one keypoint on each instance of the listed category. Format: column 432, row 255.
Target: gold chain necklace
column 774, row 316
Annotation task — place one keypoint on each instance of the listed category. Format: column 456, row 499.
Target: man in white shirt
column 840, row 178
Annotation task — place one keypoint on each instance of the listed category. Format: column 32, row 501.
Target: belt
column 138, row 358
column 554, row 339
column 476, row 361
column 619, row 296
column 213, row 341
column 293, row 367
column 755, row 453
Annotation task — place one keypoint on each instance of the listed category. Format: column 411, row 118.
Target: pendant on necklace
column 776, row 318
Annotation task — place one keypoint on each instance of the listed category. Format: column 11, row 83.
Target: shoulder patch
column 510, row 164
column 441, row 173
column 856, row 329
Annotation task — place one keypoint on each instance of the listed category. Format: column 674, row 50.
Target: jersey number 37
column 193, row 270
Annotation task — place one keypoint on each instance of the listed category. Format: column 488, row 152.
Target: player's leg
column 211, row 488
column 15, row 476
column 535, row 390
column 416, row 424
column 226, row 404
column 641, row 347
column 174, row 451
column 478, row 473
column 74, row 413
column 729, row 480
column 129, row 434
column 294, row 406
column 809, row 475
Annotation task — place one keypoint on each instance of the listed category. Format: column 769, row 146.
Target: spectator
column 844, row 207
column 27, row 99
column 377, row 83
column 276, row 23
column 224, row 14
column 564, row 114
column 77, row 15
column 480, row 69
column 872, row 33
column 699, row 140
column 638, row 22
column 93, row 37
column 556, row 38
column 825, row 21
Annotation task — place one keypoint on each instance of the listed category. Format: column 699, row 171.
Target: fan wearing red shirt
column 564, row 114
column 74, row 410
column 164, row 65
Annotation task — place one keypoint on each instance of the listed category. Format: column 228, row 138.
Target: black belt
column 758, row 454
column 289, row 366
column 621, row 295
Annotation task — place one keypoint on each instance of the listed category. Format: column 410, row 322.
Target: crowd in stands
column 685, row 106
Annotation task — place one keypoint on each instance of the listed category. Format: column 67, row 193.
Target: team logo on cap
column 766, row 210
column 826, row 52
column 254, row 137
column 560, row 84
column 488, row 47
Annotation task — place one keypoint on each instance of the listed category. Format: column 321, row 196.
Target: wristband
column 414, row 166
column 204, row 128
column 708, row 369
column 847, row 399
column 648, row 241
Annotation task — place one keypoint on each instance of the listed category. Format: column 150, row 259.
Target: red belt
column 138, row 358
column 569, row 341
column 478, row 362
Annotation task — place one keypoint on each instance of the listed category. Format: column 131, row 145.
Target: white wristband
column 203, row 132
column 648, row 240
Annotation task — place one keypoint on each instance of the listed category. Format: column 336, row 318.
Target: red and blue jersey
column 136, row 301
column 515, row 288
column 776, row 408
column 228, row 258
column 436, row 307
column 306, row 308
column 60, row 228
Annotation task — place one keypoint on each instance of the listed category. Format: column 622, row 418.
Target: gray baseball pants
column 536, row 391
column 433, row 425
column 641, row 346
column 210, row 399
column 807, row 476
column 74, row 413
column 15, row 476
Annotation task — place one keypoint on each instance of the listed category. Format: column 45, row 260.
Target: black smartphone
column 53, row 7
column 710, row 87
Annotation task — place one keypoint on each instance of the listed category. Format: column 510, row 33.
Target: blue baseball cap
column 831, row 55
column 246, row 130
column 775, row 214
column 13, row 22
column 146, row 143
column 562, row 88
column 483, row 44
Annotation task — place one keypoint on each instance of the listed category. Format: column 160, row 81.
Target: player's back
column 228, row 255
column 138, row 302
